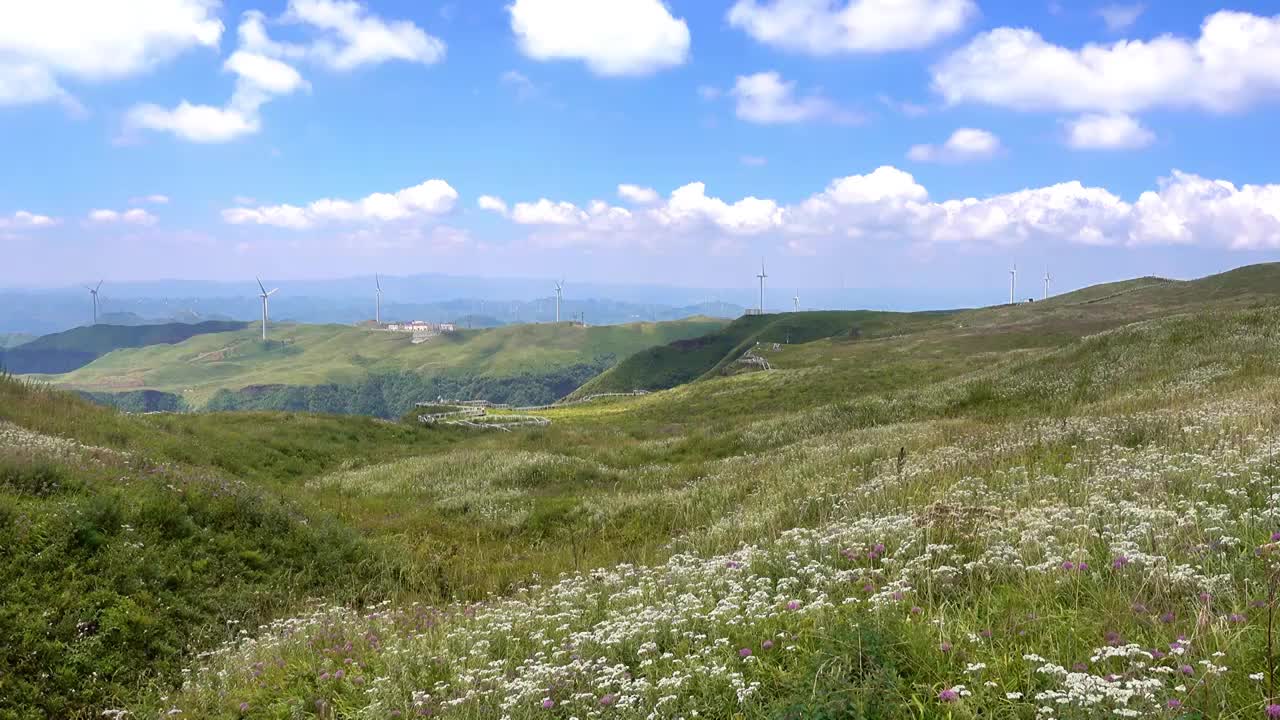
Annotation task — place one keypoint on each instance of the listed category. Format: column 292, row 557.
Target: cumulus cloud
column 348, row 37
column 1120, row 17
column 638, row 195
column 828, row 27
column 622, row 37
column 44, row 42
column 964, row 144
column 889, row 205
column 1114, row 131
column 765, row 98
column 492, row 204
column 26, row 219
column 133, row 216
column 1234, row 63
column 431, row 198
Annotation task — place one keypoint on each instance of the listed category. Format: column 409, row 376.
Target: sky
column 846, row 143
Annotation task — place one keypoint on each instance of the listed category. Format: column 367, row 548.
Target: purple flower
column 744, row 652
column 1186, row 670
column 948, row 695
column 1273, row 711
column 244, row 707
column 1113, row 638
column 324, row 676
column 1080, row 667
column 339, row 675
column 608, row 700
column 916, row 610
column 1068, row 565
column 1140, row 608
column 1174, row 703
column 548, row 703
column 1275, row 536
column 1120, row 562
column 358, row 680
column 945, row 647
column 733, row 565
column 1157, row 654
column 767, row 644
column 793, row 605
column 985, row 633
column 898, row 595
column 1082, row 566
column 1237, row 618
column 1167, row 618
column 1205, row 597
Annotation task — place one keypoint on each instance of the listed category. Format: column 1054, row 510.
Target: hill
column 343, row 367
column 972, row 514
column 13, row 340
column 66, row 351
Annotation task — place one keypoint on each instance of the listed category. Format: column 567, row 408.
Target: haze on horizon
column 638, row 142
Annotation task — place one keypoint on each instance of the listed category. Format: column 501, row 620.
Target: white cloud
column 197, row 123
column 492, row 204
column 350, row 37
column 1120, row 17
column 621, row 37
column 134, row 216
column 1114, row 131
column 356, row 37
column 1234, row 63
column 964, row 144
column 545, row 212
column 26, row 219
column 765, row 98
column 156, row 199
column 826, row 27
column 637, row 194
column 431, row 198
column 42, row 42
column 889, row 206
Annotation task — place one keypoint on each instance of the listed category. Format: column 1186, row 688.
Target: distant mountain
column 13, row 340
column 66, row 351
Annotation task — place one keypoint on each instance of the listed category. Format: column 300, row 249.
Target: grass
column 983, row 514
column 310, row 355
column 75, row 348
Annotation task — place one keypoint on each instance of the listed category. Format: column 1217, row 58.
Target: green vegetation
column 331, row 367
column 66, row 351
column 975, row 514
column 13, row 340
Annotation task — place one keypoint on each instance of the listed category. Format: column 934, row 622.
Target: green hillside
column 334, row 355
column 13, row 340
column 66, row 351
column 974, row 514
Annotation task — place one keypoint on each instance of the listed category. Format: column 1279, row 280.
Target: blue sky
column 546, row 107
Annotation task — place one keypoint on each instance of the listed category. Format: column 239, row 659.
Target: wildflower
column 339, row 675
column 945, row 647
column 985, row 633
column 767, row 645
column 548, row 703
column 1257, row 677
column 1186, row 670
column 1237, row 618
column 1082, row 566
column 948, row 695
column 916, row 610
column 1273, row 711
column 1013, row 696
column 1173, row 704
column 793, row 605
column 1275, row 536
column 1119, row 562
column 1205, row 597
column 1140, row 609
column 324, row 676
column 1168, row 617
column 1079, row 667
column 1068, row 565
column 744, row 652
column 898, row 595
column 608, row 700
column 244, row 707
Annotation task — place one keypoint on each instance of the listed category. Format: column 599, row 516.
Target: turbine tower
column 377, row 309
column 93, row 291
column 1013, row 282
column 796, row 301
column 265, row 294
column 1047, row 278
column 559, row 292
column 762, row 276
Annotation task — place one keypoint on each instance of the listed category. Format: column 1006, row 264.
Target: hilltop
column 523, row 363
column 938, row 514
column 66, row 351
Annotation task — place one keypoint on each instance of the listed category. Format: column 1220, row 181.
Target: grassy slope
column 317, row 354
column 13, row 340
column 1024, row 445
column 75, row 348
column 739, row 460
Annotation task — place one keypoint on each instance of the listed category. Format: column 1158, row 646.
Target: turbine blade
column 273, row 292
column 260, row 285
column 377, row 281
column 99, row 286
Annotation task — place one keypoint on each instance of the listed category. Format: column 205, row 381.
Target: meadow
column 1068, row 510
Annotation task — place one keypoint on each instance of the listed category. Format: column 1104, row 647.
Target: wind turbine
column 265, row 294
column 1013, row 282
column 377, row 310
column 796, row 301
column 762, row 276
column 559, row 292
column 1047, row 278
column 94, row 292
